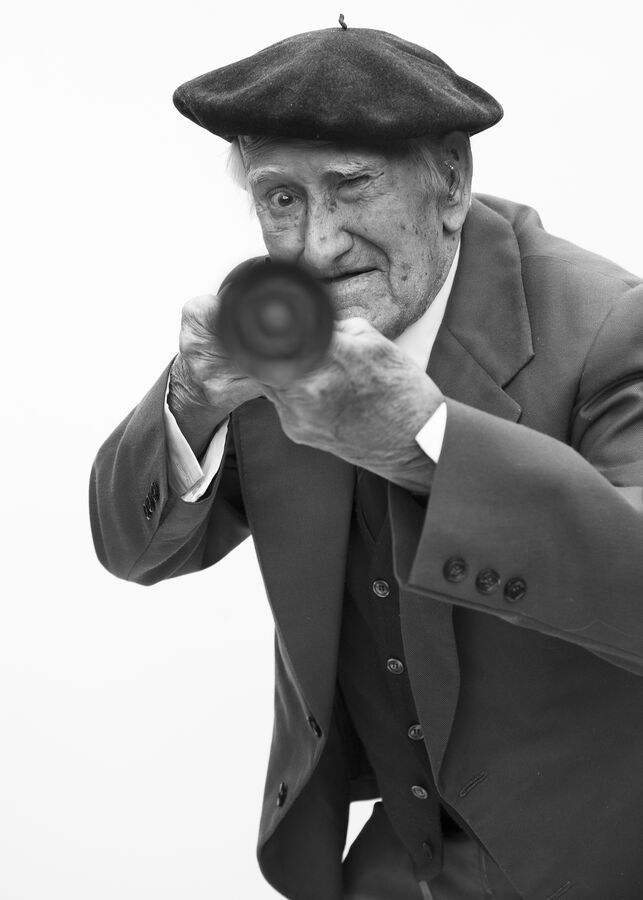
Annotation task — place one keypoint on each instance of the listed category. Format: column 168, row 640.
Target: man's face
column 362, row 220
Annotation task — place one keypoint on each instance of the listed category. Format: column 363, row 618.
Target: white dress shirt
column 190, row 478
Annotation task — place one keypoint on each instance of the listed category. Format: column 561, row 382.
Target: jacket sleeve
column 543, row 534
column 144, row 533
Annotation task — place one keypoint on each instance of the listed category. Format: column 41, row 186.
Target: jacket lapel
column 485, row 338
column 299, row 502
column 483, row 342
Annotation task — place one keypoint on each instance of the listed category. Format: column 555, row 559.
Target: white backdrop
column 135, row 722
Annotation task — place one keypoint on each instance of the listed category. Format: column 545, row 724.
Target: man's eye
column 281, row 199
column 358, row 181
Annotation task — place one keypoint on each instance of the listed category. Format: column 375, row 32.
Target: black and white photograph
column 323, row 451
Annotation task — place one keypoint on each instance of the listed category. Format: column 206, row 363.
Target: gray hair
column 424, row 151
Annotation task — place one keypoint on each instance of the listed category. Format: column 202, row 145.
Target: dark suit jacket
column 532, row 707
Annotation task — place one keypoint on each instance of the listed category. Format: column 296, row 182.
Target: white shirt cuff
column 187, row 477
column 431, row 436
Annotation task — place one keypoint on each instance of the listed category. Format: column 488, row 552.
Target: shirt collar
column 418, row 339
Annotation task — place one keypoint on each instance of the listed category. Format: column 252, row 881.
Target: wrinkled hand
column 203, row 367
column 365, row 404
column 205, row 384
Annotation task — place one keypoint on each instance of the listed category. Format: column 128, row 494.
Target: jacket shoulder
column 535, row 243
column 568, row 289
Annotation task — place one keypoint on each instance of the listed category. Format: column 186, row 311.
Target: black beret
column 337, row 84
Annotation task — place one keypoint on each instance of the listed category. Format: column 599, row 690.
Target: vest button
column 419, row 792
column 314, row 726
column 415, row 733
column 455, row 569
column 381, row 588
column 515, row 590
column 395, row 666
column 282, row 793
column 487, row 581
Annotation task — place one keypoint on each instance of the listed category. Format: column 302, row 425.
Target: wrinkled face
column 361, row 219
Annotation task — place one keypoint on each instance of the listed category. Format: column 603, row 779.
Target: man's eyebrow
column 352, row 169
column 348, row 169
column 256, row 176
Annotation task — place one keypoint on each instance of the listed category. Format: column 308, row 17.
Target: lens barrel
column 276, row 322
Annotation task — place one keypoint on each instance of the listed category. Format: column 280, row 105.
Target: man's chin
column 349, row 312
column 367, row 296
column 384, row 324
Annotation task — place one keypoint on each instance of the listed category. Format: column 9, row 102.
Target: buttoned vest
column 374, row 683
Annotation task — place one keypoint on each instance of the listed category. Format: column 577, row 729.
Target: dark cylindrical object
column 275, row 321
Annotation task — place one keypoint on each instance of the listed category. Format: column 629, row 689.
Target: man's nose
column 326, row 239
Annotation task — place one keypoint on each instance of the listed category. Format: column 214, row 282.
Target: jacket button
column 415, row 733
column 395, row 666
column 455, row 569
column 419, row 792
column 147, row 509
column 314, row 726
column 428, row 849
column 487, row 581
column 381, row 588
column 282, row 793
column 515, row 590
column 155, row 492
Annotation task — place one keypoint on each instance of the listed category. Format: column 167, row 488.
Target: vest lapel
column 298, row 501
column 483, row 342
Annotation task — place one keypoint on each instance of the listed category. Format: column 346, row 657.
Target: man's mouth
column 336, row 279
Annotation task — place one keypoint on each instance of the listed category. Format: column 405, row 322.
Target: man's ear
column 457, row 169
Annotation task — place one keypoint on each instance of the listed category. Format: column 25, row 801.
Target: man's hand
column 205, row 384
column 365, row 404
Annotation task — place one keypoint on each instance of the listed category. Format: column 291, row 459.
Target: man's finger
column 269, row 393
column 355, row 325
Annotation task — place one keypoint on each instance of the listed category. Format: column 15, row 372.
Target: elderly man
column 448, row 512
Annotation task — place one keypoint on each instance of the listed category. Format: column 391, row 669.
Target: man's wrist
column 416, row 467
column 415, row 474
column 431, row 436
column 408, row 465
column 196, row 418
